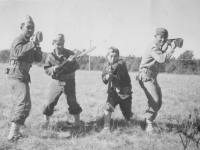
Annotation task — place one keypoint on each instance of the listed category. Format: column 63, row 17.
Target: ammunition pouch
column 146, row 74
column 21, row 65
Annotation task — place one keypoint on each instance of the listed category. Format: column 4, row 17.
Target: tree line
column 184, row 64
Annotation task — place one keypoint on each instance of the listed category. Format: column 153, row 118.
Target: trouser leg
column 153, row 93
column 109, row 108
column 107, row 118
column 21, row 101
column 125, row 106
column 70, row 93
column 52, row 100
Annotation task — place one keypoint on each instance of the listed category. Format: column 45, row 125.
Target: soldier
column 115, row 74
column 23, row 53
column 65, row 83
column 157, row 52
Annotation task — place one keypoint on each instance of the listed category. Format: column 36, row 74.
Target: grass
column 181, row 95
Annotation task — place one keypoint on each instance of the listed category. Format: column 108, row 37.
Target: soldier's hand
column 109, row 77
column 34, row 39
column 72, row 58
column 165, row 47
column 110, row 69
column 173, row 44
column 37, row 43
column 56, row 68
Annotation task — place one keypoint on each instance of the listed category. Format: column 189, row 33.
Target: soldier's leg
column 21, row 106
column 125, row 106
column 153, row 94
column 74, row 108
column 160, row 96
column 109, row 108
column 52, row 99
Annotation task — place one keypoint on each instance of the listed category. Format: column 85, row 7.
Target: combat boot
column 14, row 133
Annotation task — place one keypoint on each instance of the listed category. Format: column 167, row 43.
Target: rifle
column 37, row 37
column 65, row 64
column 178, row 42
column 112, row 68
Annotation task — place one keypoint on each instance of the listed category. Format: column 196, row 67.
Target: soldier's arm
column 38, row 54
column 104, row 73
column 20, row 48
column 48, row 67
column 122, row 65
column 73, row 66
column 159, row 56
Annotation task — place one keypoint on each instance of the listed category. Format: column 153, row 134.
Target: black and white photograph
column 99, row 74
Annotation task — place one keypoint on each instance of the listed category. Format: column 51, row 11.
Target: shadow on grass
column 65, row 130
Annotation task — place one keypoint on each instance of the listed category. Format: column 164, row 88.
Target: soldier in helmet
column 115, row 74
column 65, row 83
column 157, row 52
column 23, row 53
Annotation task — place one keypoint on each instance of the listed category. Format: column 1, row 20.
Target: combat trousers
column 154, row 95
column 56, row 89
column 20, row 92
column 125, row 104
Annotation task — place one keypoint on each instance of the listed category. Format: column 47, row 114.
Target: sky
column 129, row 25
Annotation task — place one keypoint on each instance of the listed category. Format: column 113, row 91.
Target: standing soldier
column 155, row 53
column 65, row 83
column 115, row 74
column 23, row 53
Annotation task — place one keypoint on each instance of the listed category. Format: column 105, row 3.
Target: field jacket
column 53, row 60
column 153, row 56
column 121, row 80
column 23, row 54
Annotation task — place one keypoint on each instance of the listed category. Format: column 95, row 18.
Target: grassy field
column 181, row 95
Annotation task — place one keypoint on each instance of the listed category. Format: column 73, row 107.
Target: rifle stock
column 37, row 37
column 178, row 42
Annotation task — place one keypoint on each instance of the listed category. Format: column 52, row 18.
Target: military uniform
column 23, row 53
column 119, row 89
column 148, row 72
column 65, row 83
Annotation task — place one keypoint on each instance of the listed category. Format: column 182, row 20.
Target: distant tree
column 185, row 63
column 170, row 67
column 136, row 64
column 129, row 61
column 4, row 56
column 186, row 55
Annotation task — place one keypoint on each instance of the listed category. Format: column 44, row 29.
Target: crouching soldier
column 157, row 52
column 64, row 83
column 23, row 53
column 115, row 74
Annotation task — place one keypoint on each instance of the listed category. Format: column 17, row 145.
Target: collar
column 60, row 56
column 158, row 45
column 25, row 38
